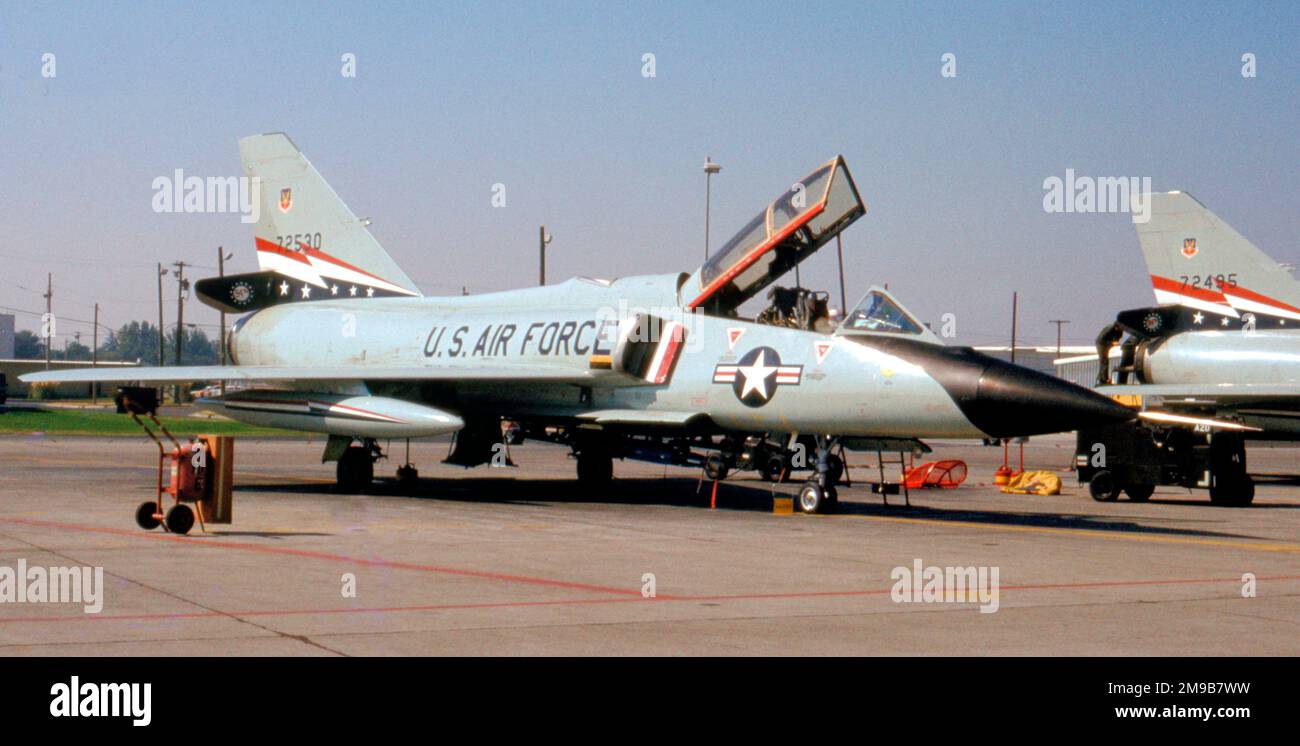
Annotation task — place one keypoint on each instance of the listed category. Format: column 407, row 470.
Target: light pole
column 710, row 168
column 543, row 238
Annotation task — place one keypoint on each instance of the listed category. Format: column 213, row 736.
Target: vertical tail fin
column 1197, row 260
column 306, row 232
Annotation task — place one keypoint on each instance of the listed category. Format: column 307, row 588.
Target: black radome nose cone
column 1001, row 399
column 1012, row 401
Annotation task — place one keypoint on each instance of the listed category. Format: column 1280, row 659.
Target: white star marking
column 1198, row 317
column 1224, row 322
column 756, row 376
column 284, row 288
column 306, row 291
column 353, row 291
column 334, row 289
column 370, row 292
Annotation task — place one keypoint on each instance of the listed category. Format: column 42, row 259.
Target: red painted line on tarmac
column 300, row 612
column 307, row 554
column 606, row 600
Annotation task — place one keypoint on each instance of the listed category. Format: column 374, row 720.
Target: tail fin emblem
column 286, row 200
column 1189, row 247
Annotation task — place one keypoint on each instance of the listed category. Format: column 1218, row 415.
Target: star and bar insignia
column 757, row 375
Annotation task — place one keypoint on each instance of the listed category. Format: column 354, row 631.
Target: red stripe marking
column 1242, row 292
column 272, row 248
column 327, row 405
column 677, row 331
column 1164, row 283
column 318, row 254
column 763, row 248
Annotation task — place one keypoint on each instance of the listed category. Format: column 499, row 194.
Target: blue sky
column 549, row 100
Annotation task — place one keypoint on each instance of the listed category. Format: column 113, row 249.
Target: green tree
column 134, row 341
column 28, row 346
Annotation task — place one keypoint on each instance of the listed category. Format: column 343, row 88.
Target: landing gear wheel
column 1235, row 492
column 715, row 467
column 813, row 498
column 407, row 476
column 834, row 469
column 774, row 468
column 1104, row 488
column 144, row 516
column 180, row 519
column 595, row 469
column 832, row 500
column 1139, row 493
column 356, row 470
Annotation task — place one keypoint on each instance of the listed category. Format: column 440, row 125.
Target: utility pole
column 221, row 272
column 48, row 325
column 94, row 355
column 542, row 240
column 710, row 168
column 181, row 285
column 161, row 274
column 1059, row 323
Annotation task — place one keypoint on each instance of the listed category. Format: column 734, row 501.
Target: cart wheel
column 180, row 519
column 144, row 515
column 1104, row 488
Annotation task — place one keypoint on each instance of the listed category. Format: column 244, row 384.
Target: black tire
column 356, row 470
column 1235, row 492
column 180, row 519
column 812, row 498
column 774, row 468
column 408, row 477
column 1139, row 493
column 144, row 516
column 595, row 469
column 834, row 470
column 1104, row 487
column 832, row 500
column 715, row 466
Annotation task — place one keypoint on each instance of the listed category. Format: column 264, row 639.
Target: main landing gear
column 595, row 466
column 356, row 467
column 1230, row 485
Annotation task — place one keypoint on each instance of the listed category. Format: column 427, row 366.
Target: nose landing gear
column 818, row 494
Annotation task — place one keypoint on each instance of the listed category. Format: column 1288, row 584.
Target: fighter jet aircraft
column 1224, row 341
column 341, row 341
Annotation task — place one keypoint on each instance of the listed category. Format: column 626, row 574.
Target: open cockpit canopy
column 786, row 232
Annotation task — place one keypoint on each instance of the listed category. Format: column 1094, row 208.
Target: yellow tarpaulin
column 1034, row 483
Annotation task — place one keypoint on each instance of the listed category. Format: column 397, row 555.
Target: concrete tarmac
column 516, row 561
